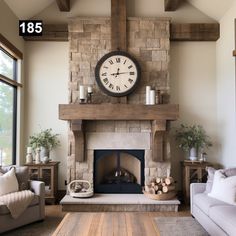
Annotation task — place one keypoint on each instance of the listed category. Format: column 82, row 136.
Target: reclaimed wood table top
column 112, row 223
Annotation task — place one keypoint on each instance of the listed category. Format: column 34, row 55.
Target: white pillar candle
column 81, row 92
column 29, row 150
column 152, row 97
column 148, row 88
column 90, row 89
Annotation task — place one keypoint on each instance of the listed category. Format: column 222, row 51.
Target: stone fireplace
column 148, row 41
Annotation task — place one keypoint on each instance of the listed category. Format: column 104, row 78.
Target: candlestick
column 90, row 89
column 81, row 93
column 148, row 88
column 152, row 97
column 29, row 150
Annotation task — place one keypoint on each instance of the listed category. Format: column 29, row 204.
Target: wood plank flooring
column 112, row 223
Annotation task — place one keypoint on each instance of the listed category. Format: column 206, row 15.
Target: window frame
column 16, row 55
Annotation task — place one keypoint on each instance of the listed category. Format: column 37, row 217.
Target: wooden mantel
column 158, row 114
column 118, row 112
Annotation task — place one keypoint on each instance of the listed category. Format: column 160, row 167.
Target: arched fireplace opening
column 118, row 171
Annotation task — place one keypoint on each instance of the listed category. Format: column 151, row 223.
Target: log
column 169, row 180
column 158, row 180
column 156, row 188
column 167, row 189
column 159, row 192
column 163, row 184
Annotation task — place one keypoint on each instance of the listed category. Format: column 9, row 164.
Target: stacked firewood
column 160, row 185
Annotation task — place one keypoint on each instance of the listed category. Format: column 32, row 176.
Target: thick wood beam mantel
column 118, row 112
column 194, row 32
column 172, row 5
column 63, row 5
column 178, row 32
column 118, row 24
column 234, row 53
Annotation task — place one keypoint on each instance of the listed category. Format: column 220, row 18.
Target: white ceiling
column 25, row 9
column 213, row 8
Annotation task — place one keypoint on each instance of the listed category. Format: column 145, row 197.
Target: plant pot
column 193, row 154
column 45, row 152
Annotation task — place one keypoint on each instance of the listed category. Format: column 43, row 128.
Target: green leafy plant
column 192, row 136
column 44, row 139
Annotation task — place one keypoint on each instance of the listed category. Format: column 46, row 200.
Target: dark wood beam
column 51, row 33
column 234, row 53
column 178, row 32
column 63, row 5
column 194, row 32
column 172, row 5
column 118, row 24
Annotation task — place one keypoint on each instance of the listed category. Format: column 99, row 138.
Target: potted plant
column 191, row 138
column 45, row 140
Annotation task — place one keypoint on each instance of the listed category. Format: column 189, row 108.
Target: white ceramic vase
column 193, row 154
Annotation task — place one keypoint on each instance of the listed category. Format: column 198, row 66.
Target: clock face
column 117, row 73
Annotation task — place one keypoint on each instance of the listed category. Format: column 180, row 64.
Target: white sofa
column 217, row 217
column 34, row 212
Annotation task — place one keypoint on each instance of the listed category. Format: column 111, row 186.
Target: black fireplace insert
column 118, row 171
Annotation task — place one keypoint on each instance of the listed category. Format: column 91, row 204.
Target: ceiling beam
column 58, row 33
column 178, row 32
column 172, row 5
column 63, row 5
column 118, row 24
column 194, row 32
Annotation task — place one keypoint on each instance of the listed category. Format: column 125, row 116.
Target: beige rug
column 179, row 226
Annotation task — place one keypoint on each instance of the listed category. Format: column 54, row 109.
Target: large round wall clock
column 117, row 73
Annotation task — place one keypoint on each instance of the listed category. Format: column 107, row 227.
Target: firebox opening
column 118, row 171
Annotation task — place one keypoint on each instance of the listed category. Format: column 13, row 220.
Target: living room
column 179, row 58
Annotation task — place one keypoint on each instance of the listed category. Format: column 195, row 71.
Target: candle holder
column 89, row 97
column 82, row 101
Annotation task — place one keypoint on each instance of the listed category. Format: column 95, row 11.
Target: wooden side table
column 48, row 173
column 193, row 172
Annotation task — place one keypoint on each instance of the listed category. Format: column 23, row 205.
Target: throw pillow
column 211, row 171
column 22, row 175
column 224, row 188
column 8, row 182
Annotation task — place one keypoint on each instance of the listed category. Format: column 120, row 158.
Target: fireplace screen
column 118, row 171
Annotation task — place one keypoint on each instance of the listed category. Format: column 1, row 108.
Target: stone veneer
column 148, row 41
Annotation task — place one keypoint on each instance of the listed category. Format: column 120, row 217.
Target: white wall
column 193, row 87
column 47, row 75
column 9, row 29
column 226, row 89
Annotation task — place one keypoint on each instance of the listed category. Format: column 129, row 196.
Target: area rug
column 179, row 226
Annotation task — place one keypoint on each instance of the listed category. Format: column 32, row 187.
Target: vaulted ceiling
column 25, row 9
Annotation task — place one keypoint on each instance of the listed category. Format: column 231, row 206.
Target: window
column 9, row 86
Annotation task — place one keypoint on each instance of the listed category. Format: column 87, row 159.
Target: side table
column 193, row 172
column 48, row 173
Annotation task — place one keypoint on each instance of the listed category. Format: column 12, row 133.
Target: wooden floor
column 112, row 223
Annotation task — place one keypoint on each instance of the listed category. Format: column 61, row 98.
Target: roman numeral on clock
column 130, row 66
column 106, row 81
column 130, row 80
column 117, row 88
column 104, row 74
column 118, row 60
column 131, row 73
column 111, row 86
column 111, row 62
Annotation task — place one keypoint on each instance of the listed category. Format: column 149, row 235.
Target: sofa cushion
column 225, row 217
column 4, row 210
column 22, row 175
column 8, row 182
column 205, row 203
column 210, row 176
column 224, row 188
